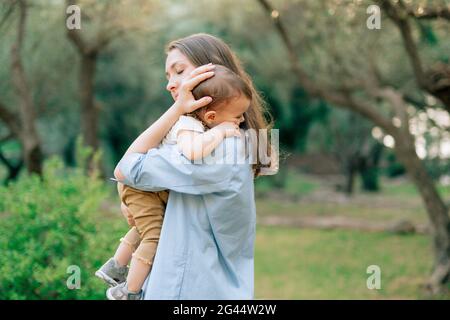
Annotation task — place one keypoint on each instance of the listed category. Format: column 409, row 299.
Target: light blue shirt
column 206, row 247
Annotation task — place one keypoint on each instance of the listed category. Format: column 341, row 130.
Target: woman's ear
column 210, row 116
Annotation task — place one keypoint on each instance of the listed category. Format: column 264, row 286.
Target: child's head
column 231, row 97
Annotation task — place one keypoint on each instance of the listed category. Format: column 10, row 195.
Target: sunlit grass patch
column 313, row 264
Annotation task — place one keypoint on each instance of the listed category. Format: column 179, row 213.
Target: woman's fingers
column 190, row 84
column 185, row 97
column 202, row 69
column 201, row 103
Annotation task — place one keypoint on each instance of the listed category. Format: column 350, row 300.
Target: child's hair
column 224, row 86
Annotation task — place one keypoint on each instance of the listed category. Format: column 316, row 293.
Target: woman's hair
column 202, row 49
column 224, row 86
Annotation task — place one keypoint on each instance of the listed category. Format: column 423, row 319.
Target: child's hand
column 185, row 100
column 229, row 129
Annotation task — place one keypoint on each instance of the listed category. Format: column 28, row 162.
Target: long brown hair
column 202, row 48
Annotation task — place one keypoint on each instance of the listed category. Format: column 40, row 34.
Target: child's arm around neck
column 196, row 146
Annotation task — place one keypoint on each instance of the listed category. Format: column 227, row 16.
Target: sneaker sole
column 103, row 276
column 108, row 295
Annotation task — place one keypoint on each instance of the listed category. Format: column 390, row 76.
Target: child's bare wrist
column 223, row 133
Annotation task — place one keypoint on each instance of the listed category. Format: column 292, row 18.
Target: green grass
column 295, row 184
column 407, row 189
column 305, row 195
column 269, row 207
column 314, row 264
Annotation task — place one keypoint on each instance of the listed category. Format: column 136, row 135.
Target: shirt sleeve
column 166, row 168
column 184, row 123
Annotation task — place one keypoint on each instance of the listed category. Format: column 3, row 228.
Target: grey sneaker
column 112, row 273
column 121, row 292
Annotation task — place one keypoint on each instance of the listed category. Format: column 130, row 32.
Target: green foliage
column 427, row 34
column 394, row 168
column 369, row 179
column 47, row 224
column 286, row 181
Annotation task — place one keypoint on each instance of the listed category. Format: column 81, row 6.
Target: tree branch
column 9, row 136
column 75, row 36
column 7, row 13
column 435, row 82
column 342, row 97
column 105, row 39
column 400, row 19
column 430, row 13
column 10, row 119
column 19, row 78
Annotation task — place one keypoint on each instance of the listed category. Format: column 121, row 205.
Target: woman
column 206, row 247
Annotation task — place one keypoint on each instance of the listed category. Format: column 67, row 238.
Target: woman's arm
column 154, row 134
column 166, row 168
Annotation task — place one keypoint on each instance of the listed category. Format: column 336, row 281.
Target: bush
column 49, row 223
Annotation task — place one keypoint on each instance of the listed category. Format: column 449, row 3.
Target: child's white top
column 183, row 123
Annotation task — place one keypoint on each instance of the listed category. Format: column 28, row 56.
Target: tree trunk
column 351, row 169
column 369, row 168
column 89, row 111
column 436, row 209
column 29, row 136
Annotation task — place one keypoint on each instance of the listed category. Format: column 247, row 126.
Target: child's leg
column 128, row 245
column 130, row 242
column 137, row 274
column 147, row 209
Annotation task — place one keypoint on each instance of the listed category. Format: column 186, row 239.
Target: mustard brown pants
column 147, row 209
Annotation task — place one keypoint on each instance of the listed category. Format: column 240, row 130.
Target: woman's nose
column 171, row 85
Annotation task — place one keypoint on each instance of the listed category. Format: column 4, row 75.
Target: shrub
column 49, row 223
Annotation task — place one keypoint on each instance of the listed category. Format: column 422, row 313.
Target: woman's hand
column 127, row 214
column 185, row 101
